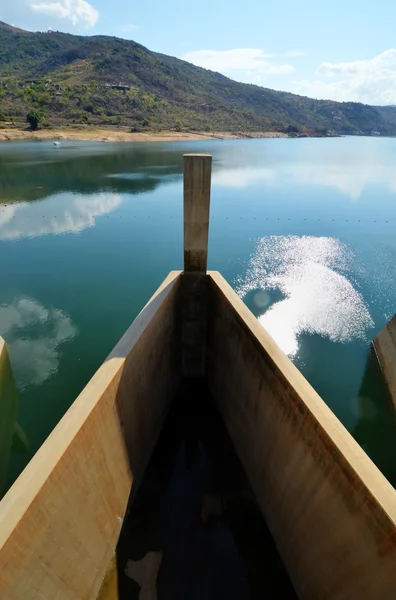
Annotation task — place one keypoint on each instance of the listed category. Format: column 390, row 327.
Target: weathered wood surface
column 385, row 349
column 197, row 177
column 193, row 315
column 8, row 411
column 109, row 588
column 12, row 436
column 60, row 521
column 330, row 510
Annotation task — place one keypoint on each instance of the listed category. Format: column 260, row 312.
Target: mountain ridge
column 103, row 80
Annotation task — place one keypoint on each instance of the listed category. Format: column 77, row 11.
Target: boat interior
column 194, row 529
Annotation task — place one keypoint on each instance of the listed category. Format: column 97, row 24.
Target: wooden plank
column 193, row 313
column 330, row 510
column 12, row 436
column 8, row 411
column 60, row 521
column 197, row 177
column 109, row 587
column 385, row 349
column 197, row 180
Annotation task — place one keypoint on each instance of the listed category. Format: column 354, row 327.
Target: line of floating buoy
column 288, row 219
column 313, row 219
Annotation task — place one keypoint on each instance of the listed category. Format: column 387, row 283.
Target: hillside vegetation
column 63, row 78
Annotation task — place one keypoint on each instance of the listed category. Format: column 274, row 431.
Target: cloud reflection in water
column 334, row 166
column 62, row 213
column 34, row 335
column 311, row 272
column 242, row 178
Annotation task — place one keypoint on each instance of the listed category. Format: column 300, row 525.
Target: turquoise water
column 303, row 229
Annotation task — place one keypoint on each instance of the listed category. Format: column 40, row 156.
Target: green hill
column 64, row 78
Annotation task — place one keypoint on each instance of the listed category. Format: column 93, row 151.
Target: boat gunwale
column 355, row 458
column 18, row 499
column 20, row 495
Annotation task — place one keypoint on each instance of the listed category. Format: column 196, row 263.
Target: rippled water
column 302, row 229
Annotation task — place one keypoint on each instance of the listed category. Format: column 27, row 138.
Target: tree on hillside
column 33, row 119
column 292, row 129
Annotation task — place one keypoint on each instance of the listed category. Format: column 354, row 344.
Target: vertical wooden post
column 197, row 175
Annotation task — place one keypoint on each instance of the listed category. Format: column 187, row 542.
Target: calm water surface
column 302, row 229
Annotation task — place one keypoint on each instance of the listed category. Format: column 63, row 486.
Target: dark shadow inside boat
column 193, row 529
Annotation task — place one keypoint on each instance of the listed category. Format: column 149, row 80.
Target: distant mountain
column 6, row 27
column 106, row 80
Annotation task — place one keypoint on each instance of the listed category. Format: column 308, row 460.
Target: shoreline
column 124, row 135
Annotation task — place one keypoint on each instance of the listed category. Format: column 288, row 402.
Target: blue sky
column 344, row 50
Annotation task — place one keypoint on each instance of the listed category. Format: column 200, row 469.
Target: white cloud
column 243, row 64
column 371, row 81
column 79, row 12
column 32, row 219
column 34, row 334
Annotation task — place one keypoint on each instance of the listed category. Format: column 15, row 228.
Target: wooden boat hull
column 12, row 436
column 384, row 345
column 331, row 512
column 8, row 410
column 60, row 521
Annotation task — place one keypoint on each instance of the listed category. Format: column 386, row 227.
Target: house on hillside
column 121, row 87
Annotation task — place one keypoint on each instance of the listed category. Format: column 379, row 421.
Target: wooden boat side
column 330, row 510
column 60, row 521
column 12, row 436
column 8, row 410
column 385, row 350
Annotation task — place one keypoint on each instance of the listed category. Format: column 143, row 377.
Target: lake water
column 303, row 229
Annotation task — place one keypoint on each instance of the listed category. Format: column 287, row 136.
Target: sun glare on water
column 318, row 298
